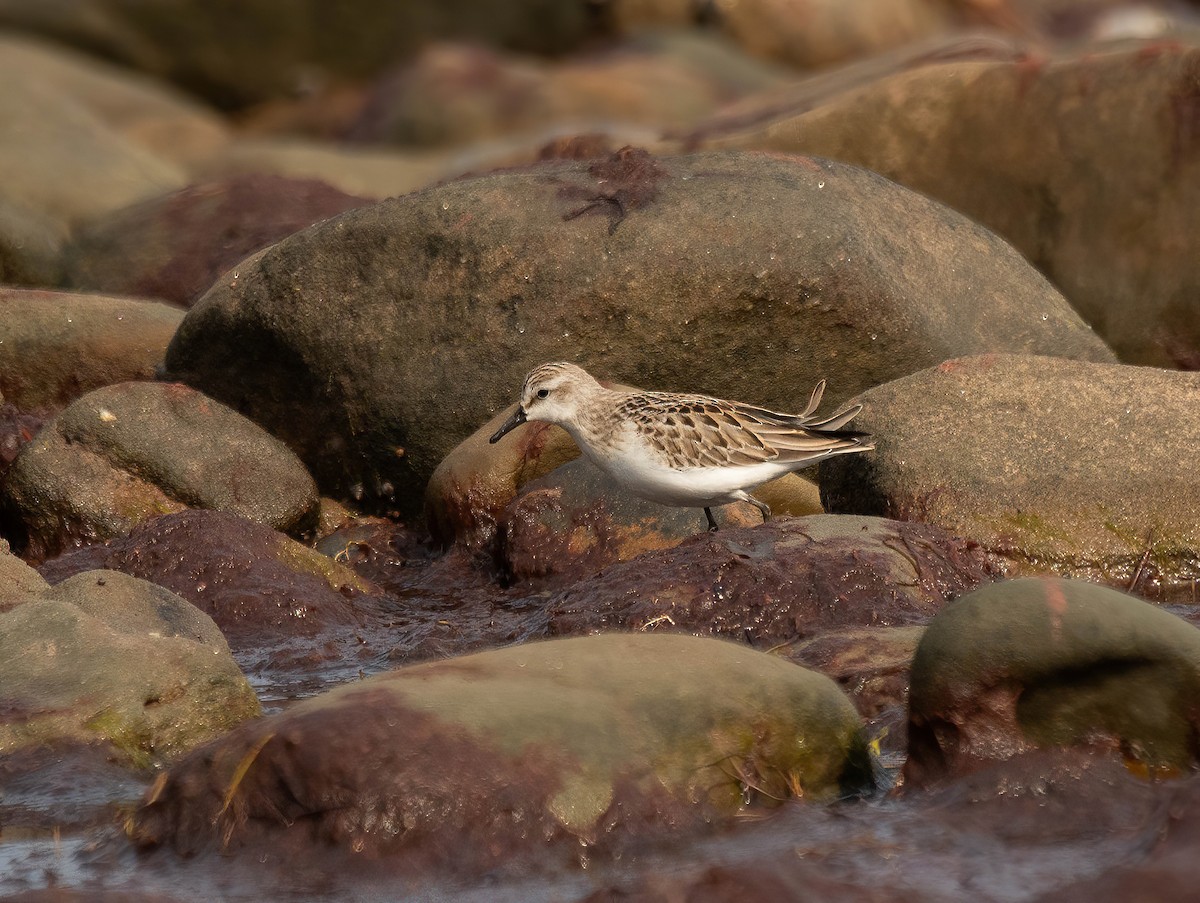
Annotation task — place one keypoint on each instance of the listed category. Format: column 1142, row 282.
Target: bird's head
column 552, row 393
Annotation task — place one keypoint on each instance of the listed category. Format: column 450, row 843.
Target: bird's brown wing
column 695, row 431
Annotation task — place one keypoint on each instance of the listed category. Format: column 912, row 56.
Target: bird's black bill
column 517, row 418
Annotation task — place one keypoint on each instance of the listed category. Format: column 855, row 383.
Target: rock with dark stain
column 107, row 657
column 1048, row 464
column 57, row 346
column 130, row 451
column 174, row 247
column 471, row 762
column 325, row 337
column 1107, row 232
column 779, row 582
column 1043, row 662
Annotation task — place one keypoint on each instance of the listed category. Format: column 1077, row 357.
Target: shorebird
column 682, row 450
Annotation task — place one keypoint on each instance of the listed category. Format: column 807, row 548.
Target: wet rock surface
column 131, row 451
column 1018, row 454
column 57, row 346
column 779, row 582
column 1044, row 662
column 283, row 607
column 540, row 262
column 548, row 743
column 565, row 526
column 379, row 343
column 104, row 656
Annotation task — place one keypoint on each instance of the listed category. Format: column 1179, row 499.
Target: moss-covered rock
column 566, row 740
column 1049, row 464
column 107, row 657
column 1045, row 662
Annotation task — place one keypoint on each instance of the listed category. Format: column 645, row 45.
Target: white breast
column 634, row 465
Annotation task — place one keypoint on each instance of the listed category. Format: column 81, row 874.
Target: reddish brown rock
column 478, row 762
column 174, row 247
column 779, row 582
column 256, row 583
column 575, row 520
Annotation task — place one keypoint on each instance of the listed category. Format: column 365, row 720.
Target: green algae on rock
column 105, row 656
column 568, row 740
column 1040, row 662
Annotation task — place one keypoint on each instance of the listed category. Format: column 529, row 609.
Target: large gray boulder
column 820, row 269
column 1089, row 165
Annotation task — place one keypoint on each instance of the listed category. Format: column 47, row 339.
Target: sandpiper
column 684, row 450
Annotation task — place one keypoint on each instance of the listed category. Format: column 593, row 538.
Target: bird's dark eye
column 542, row 393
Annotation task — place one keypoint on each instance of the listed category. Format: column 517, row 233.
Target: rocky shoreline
column 276, row 620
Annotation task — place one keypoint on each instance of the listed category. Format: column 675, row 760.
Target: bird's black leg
column 712, row 523
column 761, row 506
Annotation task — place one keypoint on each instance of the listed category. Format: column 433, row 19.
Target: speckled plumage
column 677, row 449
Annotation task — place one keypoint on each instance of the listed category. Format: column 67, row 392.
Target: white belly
column 697, row 487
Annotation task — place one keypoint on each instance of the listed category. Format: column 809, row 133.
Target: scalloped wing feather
column 693, row 430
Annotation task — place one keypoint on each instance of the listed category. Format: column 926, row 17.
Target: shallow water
column 1013, row 833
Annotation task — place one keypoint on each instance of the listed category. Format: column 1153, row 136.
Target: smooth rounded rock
column 468, row 760
column 993, row 140
column 57, row 346
column 1082, row 469
column 1042, row 662
column 104, row 656
column 325, row 337
column 134, row 450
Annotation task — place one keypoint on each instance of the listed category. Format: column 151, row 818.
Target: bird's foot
column 712, row 521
